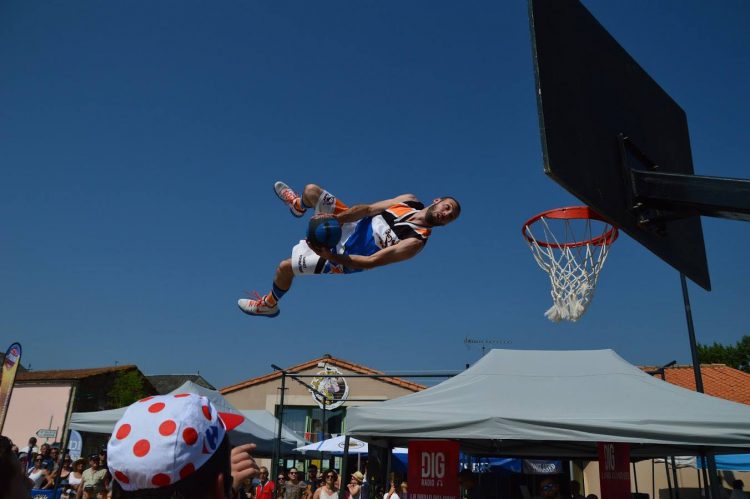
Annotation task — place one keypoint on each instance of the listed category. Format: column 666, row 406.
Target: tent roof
column 561, row 403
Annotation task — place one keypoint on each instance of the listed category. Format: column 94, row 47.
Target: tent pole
column 345, row 464
column 388, row 467
column 714, row 483
column 653, row 478
column 706, row 483
column 277, row 447
column 676, row 483
column 669, row 479
column 635, row 477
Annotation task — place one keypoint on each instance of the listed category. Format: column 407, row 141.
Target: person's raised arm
column 360, row 211
column 397, row 253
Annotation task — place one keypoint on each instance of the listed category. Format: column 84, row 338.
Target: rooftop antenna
column 484, row 342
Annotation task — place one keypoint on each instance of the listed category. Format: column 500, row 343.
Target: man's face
column 313, row 472
column 263, row 474
column 293, row 474
column 44, row 450
column 54, row 453
column 442, row 212
column 94, row 463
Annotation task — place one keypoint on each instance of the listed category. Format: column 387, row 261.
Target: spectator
column 549, row 489
column 329, row 489
column 312, row 477
column 308, row 493
column 45, row 451
column 355, row 485
column 75, row 477
column 294, row 487
column 92, row 479
column 66, row 469
column 592, row 496
column 404, row 490
column 176, row 446
column 394, row 490
column 39, row 476
column 737, row 492
column 13, row 482
column 265, row 488
column 245, row 490
column 31, row 448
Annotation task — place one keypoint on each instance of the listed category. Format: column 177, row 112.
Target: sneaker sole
column 292, row 210
column 270, row 316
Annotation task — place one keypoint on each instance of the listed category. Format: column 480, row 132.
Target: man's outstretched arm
column 360, row 211
column 402, row 251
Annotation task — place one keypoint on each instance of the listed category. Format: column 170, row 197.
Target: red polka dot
column 123, row 431
column 146, row 399
column 207, row 412
column 190, row 436
column 180, row 395
column 161, row 480
column 157, row 407
column 141, row 448
column 122, row 477
column 167, row 427
column 187, row 470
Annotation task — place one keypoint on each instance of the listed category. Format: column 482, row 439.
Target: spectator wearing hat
column 355, row 485
column 176, row 446
column 75, row 477
column 294, row 487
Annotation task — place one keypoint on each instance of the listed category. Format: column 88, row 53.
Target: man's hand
column 243, row 464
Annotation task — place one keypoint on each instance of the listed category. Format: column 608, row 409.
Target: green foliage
column 737, row 356
column 126, row 389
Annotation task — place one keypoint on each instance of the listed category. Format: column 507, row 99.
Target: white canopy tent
column 335, row 446
column 255, row 427
column 558, row 403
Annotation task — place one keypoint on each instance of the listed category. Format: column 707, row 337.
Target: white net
column 573, row 269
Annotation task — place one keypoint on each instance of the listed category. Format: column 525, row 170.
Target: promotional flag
column 10, row 366
column 433, row 469
column 614, row 470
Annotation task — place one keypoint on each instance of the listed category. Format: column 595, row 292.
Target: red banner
column 433, row 469
column 614, row 470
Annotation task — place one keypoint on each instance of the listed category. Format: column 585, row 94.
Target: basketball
column 324, row 231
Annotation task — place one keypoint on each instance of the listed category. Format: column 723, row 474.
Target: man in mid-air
column 372, row 235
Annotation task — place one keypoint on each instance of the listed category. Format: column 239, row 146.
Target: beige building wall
column 652, row 480
column 267, row 395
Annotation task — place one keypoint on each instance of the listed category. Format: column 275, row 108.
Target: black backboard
column 600, row 113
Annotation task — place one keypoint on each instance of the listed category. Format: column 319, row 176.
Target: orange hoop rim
column 571, row 213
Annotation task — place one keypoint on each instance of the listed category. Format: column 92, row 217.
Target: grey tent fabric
column 530, row 403
column 256, row 428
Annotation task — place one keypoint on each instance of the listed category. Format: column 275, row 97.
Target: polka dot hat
column 161, row 440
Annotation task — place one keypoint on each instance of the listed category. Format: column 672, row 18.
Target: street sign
column 46, row 433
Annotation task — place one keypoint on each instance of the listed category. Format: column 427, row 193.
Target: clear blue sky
column 139, row 142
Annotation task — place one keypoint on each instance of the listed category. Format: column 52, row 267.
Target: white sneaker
column 258, row 307
column 288, row 195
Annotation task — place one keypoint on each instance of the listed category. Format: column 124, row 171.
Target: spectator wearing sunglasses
column 39, row 476
column 329, row 490
column 549, row 489
column 294, row 487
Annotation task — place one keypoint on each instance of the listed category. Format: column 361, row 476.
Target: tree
column 737, row 356
column 126, row 389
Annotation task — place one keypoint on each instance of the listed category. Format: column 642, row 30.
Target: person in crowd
column 294, row 487
column 170, row 446
column 355, row 485
column 31, row 447
column 468, row 481
column 245, row 490
column 394, row 489
column 312, row 477
column 575, row 490
column 65, row 470
column 592, row 496
column 13, row 481
column 39, row 475
column 45, row 451
column 549, row 489
column 265, row 489
column 329, row 489
column 74, row 478
column 737, row 492
column 92, row 479
column 309, row 492
column 404, row 490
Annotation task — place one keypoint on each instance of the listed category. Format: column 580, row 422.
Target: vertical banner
column 614, row 470
column 433, row 469
column 10, row 366
column 75, row 445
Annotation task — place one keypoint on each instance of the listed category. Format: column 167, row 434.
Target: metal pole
column 345, row 465
column 669, row 480
column 277, row 449
column 635, row 477
column 676, row 483
column 710, row 461
column 323, row 427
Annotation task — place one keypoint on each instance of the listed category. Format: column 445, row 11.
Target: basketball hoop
column 573, row 258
